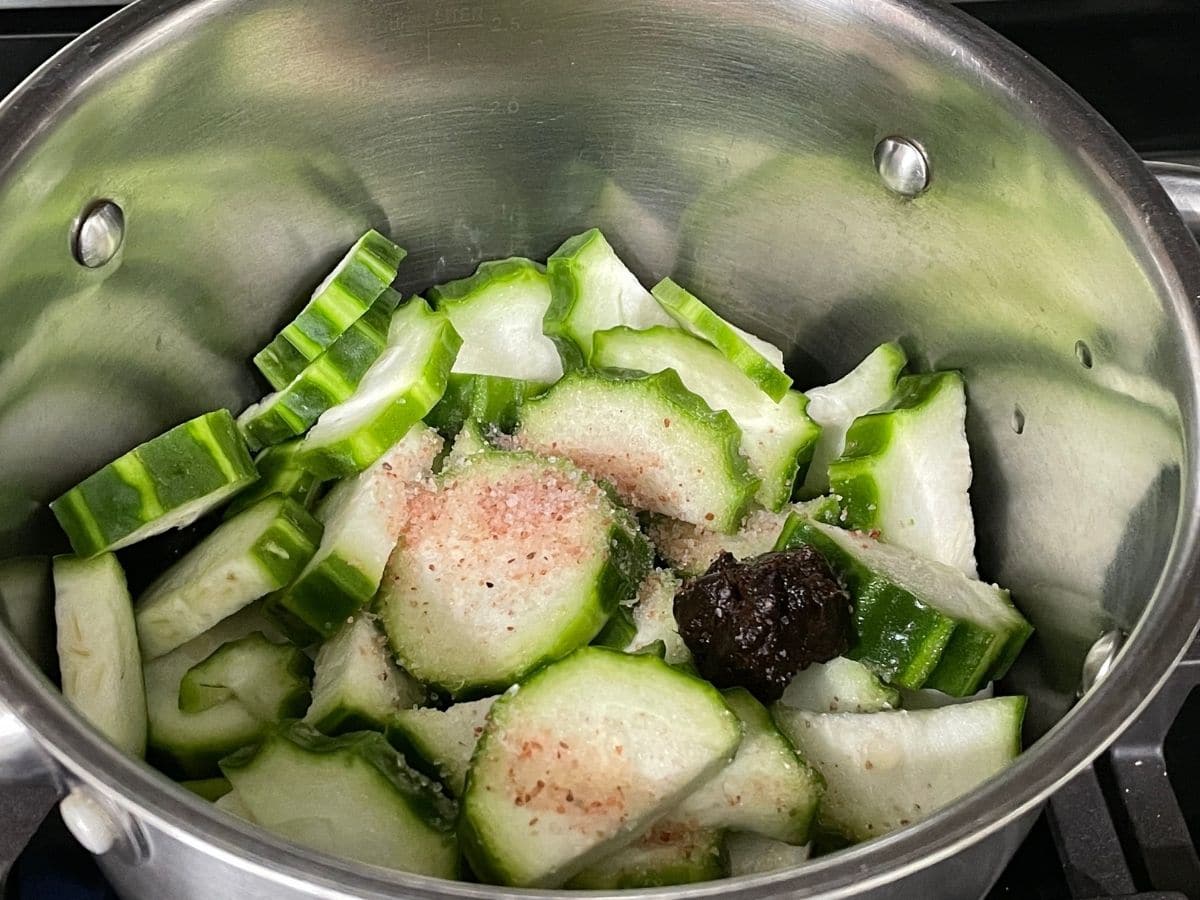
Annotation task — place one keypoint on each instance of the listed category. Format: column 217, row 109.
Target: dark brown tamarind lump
column 755, row 624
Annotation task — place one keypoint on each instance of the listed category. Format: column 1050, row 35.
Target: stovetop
column 1129, row 826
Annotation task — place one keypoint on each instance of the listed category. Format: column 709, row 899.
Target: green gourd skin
column 365, row 272
column 167, row 482
column 328, row 380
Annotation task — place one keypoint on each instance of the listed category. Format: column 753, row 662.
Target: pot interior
column 727, row 144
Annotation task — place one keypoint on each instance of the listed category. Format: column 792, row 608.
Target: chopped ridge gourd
column 510, row 562
column 362, row 517
column 919, row 623
column 352, row 796
column 444, row 740
column 98, row 649
column 654, row 618
column 167, row 482
column 192, row 743
column 517, row 535
column 270, row 680
column 491, row 400
column 691, row 549
column 906, row 470
column 840, row 685
column 329, row 379
column 582, row 757
column 767, row 789
column 662, row 447
column 472, row 438
column 399, row 389
column 761, row 362
column 249, row 556
column 497, row 310
column 835, row 407
column 620, row 631
column 592, row 291
column 668, row 853
column 279, row 473
column 358, row 685
column 750, row 854
column 777, row 437
column 339, row 301
column 885, row 770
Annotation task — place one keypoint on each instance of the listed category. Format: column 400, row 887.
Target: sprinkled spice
column 755, row 624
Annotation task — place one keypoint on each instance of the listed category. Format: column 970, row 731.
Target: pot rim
column 1154, row 646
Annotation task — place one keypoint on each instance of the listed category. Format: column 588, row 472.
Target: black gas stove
column 1129, row 826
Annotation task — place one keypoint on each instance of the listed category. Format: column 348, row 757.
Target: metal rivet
column 89, row 821
column 1083, row 353
column 1099, row 659
column 1018, row 420
column 99, row 234
column 101, row 827
column 902, row 165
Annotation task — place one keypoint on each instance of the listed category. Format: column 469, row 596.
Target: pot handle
column 1181, row 181
column 30, row 787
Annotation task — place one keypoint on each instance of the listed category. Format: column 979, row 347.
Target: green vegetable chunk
column 512, row 561
column 651, row 619
column 211, row 789
column 472, row 438
column 328, row 380
column 362, row 518
column 499, row 308
column 840, row 685
column 443, row 740
column 279, row 473
column 539, row 804
column 246, row 558
column 231, row 803
column 270, row 680
column 668, row 853
column 885, row 770
column 906, row 470
column 358, row 685
column 835, row 407
column 929, row 698
column 750, row 854
column 919, row 623
column 351, row 796
column 592, row 291
column 339, row 301
column 98, row 649
column 191, row 743
column 662, row 447
column 760, row 361
column 167, row 482
column 491, row 400
column 767, row 789
column 399, row 390
column 777, row 437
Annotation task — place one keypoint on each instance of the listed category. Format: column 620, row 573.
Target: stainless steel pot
column 1003, row 229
